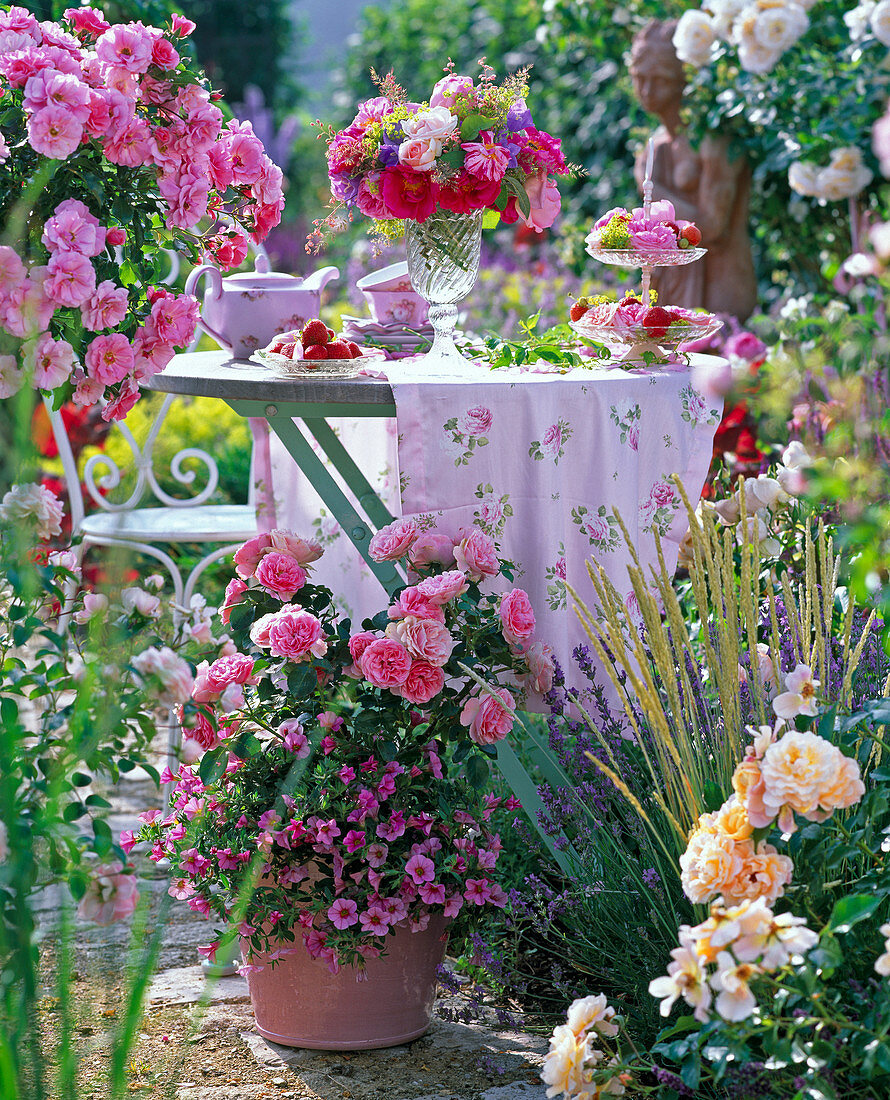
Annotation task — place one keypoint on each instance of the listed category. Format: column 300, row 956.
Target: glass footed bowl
column 640, row 340
column 315, row 368
column 631, row 257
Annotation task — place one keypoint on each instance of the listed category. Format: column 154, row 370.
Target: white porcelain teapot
column 243, row 312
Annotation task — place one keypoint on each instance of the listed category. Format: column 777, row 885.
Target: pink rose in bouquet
column 489, row 719
column 517, row 618
column 393, row 541
column 476, row 554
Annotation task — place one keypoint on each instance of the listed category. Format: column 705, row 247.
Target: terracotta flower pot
column 299, row 1003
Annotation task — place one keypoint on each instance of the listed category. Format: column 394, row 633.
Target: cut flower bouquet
column 342, row 796
column 472, row 146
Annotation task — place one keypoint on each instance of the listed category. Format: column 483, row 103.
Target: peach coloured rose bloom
column 303, row 550
column 435, row 124
column 709, row 862
column 764, row 874
column 591, row 1012
column 419, row 154
column 540, row 667
column 424, row 639
column 844, row 790
column 489, row 719
column 732, row 820
column 746, row 775
column 563, row 1069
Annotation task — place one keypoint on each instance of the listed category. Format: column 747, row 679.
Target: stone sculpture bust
column 704, row 185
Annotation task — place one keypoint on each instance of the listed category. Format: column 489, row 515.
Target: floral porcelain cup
column 391, row 298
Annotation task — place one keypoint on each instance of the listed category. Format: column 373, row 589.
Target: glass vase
column 443, row 262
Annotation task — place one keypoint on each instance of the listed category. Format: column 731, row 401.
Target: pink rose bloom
column 27, row 309
column 552, row 441
column 296, row 636
column 51, row 361
column 424, row 639
column 54, row 132
column 174, row 317
column 211, row 681
column 246, row 155
column 517, row 618
column 119, row 406
column 279, row 574
column 247, row 557
column 385, row 663
column 489, row 719
column 235, row 590
column 358, row 643
column 12, row 270
column 411, row 602
column 540, row 667
column 164, row 55
column 110, row 896
column 106, row 308
column 302, row 550
column 259, row 632
column 423, row 682
column 109, row 359
column 182, row 26
column 545, row 201
column 658, row 238
column 745, row 345
column 475, row 422
column 626, row 318
column 432, row 548
column 54, row 89
column 448, row 88
column 370, row 197
column 392, row 542
column 87, row 391
column 12, row 377
column 72, row 228
column 71, row 280
column 476, row 555
column 87, row 21
column 126, row 46
column 419, row 154
column 444, row 587
column 131, row 146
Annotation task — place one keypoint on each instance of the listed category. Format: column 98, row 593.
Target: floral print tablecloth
column 541, row 461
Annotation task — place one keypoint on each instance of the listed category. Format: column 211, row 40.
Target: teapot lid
column 261, row 278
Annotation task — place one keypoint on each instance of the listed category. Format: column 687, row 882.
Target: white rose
column 803, row 176
column 436, row 123
column 857, row 19
column 879, row 235
column 763, row 492
column 724, row 14
column 755, row 58
column 136, row 599
column 171, row 670
column 694, row 38
column 34, row 503
column 778, row 28
column 795, row 456
column 880, row 22
column 845, row 175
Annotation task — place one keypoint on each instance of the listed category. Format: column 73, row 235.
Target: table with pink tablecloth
column 539, row 460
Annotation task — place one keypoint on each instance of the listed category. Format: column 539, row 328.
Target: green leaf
column 477, row 771
column 302, row 681
column 472, row 124
column 213, row 764
column 851, row 910
column 73, row 811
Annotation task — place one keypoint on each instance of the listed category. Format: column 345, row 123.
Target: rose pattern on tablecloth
column 552, row 444
column 626, row 417
column 555, row 575
column 466, row 432
column 657, row 511
column 695, row 408
column 493, row 512
column 601, row 528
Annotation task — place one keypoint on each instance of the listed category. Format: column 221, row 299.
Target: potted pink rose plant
column 338, row 820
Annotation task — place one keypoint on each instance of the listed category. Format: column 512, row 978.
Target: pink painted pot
column 299, row 1003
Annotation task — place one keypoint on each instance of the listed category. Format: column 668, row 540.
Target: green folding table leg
column 344, row 464
column 354, row 526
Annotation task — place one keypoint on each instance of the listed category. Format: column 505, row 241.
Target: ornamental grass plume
column 746, row 626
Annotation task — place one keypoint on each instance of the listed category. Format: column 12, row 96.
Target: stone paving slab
column 183, row 985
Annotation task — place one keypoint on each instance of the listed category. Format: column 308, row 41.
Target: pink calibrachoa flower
column 327, row 720
column 420, row 869
column 477, row 891
column 343, row 913
column 375, row 920
column 294, row 738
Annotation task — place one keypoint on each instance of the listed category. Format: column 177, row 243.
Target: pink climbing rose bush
column 346, row 786
column 104, row 128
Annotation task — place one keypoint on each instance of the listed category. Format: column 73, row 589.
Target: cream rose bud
column 419, row 154
column 777, row 28
column 880, row 22
column 694, row 37
column 755, row 58
column 437, row 123
column 763, row 492
column 845, row 175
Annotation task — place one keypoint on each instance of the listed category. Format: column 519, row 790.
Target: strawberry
column 579, row 308
column 316, row 351
column 288, row 349
column 339, row 349
column 656, row 321
column 314, row 332
column 692, row 234
column 331, row 335
column 354, row 350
